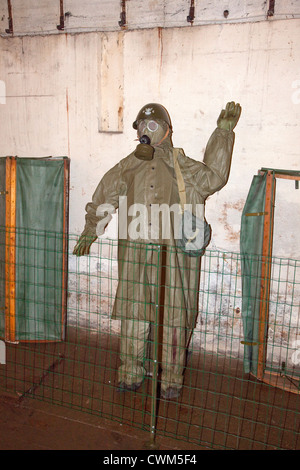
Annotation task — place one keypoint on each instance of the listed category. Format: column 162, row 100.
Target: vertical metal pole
column 191, row 16
column 10, row 29
column 158, row 337
column 271, row 9
column 61, row 25
column 122, row 22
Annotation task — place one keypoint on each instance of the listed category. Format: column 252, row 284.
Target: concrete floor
column 64, row 396
column 35, row 425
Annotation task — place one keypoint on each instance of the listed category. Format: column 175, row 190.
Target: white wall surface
column 78, row 94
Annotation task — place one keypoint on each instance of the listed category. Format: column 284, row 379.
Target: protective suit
column 145, row 179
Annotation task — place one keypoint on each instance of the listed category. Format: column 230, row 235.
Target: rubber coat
column 154, row 182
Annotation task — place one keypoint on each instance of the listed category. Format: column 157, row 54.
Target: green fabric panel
column 39, row 253
column 2, row 245
column 251, row 241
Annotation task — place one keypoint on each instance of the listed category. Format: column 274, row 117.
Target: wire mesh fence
column 145, row 344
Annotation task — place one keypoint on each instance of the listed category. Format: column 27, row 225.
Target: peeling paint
column 111, row 84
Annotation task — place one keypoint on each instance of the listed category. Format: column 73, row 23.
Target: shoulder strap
column 180, row 180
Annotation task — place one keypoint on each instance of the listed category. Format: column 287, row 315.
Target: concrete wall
column 65, row 93
column 77, row 95
column 43, row 17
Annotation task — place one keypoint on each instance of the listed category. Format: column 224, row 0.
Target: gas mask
column 151, row 133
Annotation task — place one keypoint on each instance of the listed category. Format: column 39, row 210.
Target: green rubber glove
column 229, row 116
column 83, row 245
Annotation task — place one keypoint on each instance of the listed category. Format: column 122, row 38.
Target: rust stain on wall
column 120, row 116
column 68, row 126
column 160, row 47
column 160, row 55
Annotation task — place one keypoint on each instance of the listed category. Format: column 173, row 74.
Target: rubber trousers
column 134, row 343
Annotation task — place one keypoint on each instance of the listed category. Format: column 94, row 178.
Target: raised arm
column 217, row 158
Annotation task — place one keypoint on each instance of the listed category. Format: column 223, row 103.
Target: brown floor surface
column 35, row 425
column 64, row 396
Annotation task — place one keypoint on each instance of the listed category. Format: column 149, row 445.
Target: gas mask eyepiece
column 145, row 125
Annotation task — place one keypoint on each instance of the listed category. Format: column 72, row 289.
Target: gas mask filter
column 144, row 151
column 150, row 133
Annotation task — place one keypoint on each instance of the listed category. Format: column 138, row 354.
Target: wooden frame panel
column 10, row 323
column 266, row 271
column 10, row 250
column 270, row 378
